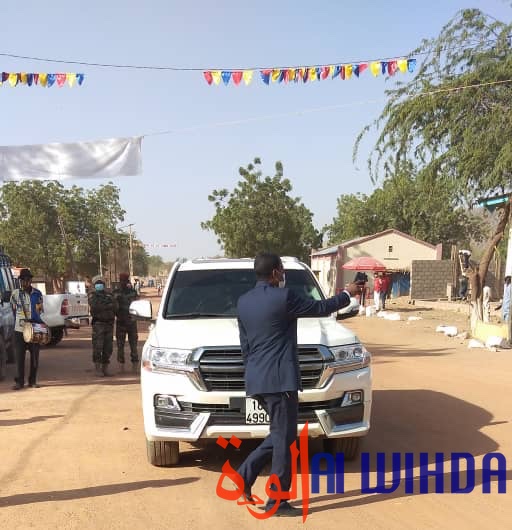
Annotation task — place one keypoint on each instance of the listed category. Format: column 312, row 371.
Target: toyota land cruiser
column 192, row 374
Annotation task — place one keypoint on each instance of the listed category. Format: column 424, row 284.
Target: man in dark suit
column 267, row 319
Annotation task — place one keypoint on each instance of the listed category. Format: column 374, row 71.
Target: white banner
column 108, row 158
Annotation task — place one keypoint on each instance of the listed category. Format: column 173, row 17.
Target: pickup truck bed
column 61, row 310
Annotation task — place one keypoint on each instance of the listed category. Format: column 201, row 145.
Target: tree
column 426, row 210
column 259, row 214
column 140, row 260
column 54, row 230
column 157, row 266
column 451, row 134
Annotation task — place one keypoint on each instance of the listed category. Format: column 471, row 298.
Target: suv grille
column 223, row 369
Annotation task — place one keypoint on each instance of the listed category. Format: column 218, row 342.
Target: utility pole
column 130, row 249
column 99, row 249
column 130, row 254
column 67, row 246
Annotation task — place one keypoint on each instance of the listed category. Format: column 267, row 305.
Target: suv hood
column 194, row 333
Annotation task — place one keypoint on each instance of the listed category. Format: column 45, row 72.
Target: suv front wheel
column 163, row 454
column 348, row 446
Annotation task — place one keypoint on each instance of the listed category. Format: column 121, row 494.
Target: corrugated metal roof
column 325, row 251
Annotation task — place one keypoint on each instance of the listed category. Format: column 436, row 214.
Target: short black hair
column 265, row 263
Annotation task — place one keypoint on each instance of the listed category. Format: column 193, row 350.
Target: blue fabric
column 267, row 321
column 36, row 297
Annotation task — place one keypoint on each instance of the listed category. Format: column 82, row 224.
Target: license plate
column 254, row 413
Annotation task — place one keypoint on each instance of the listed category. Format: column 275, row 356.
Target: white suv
column 192, row 374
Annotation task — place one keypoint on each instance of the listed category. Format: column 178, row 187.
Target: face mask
column 282, row 283
column 99, row 287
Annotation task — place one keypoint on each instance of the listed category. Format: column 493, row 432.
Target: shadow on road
column 94, row 491
column 378, row 350
column 35, row 419
column 107, row 381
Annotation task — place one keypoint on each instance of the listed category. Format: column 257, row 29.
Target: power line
column 202, row 69
column 317, row 109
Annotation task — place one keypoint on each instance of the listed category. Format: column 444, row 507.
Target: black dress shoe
column 34, row 385
column 285, row 509
column 17, row 386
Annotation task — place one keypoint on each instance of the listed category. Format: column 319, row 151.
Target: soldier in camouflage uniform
column 103, row 308
column 125, row 294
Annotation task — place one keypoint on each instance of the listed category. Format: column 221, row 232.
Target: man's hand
column 353, row 288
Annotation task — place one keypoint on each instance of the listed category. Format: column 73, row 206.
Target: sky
column 170, row 200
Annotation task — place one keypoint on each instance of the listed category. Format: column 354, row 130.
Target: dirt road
column 73, row 451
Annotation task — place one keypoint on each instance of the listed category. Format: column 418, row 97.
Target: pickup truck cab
column 192, row 373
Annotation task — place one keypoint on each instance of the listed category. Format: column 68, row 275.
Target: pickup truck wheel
column 163, row 454
column 56, row 336
column 3, row 359
column 348, row 446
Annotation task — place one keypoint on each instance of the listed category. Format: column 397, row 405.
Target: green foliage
column 54, row 230
column 259, row 214
column 409, row 203
column 140, row 261
column 157, row 266
column 450, row 133
column 462, row 136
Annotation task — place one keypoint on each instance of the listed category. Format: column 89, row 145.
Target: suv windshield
column 215, row 293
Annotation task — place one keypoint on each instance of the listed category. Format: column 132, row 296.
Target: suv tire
column 163, row 454
column 56, row 335
column 348, row 446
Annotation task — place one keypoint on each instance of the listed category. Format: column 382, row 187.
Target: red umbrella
column 364, row 263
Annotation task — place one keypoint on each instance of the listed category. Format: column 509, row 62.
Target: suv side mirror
column 141, row 310
column 6, row 296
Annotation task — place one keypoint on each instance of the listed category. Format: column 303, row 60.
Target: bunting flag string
column 305, row 74
column 156, row 245
column 42, row 79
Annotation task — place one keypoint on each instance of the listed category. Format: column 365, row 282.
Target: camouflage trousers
column 102, row 342
column 123, row 328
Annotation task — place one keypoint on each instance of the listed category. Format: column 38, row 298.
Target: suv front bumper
column 208, row 415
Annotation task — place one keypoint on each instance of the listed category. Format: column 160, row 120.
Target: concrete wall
column 393, row 250
column 324, row 268
column 429, row 278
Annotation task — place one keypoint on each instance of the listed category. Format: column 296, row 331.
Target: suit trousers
column 282, row 409
column 21, row 347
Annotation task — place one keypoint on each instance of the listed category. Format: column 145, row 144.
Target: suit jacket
column 267, row 320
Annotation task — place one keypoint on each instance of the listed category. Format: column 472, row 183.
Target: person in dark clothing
column 125, row 324
column 103, row 308
column 361, row 279
column 267, row 320
column 27, row 305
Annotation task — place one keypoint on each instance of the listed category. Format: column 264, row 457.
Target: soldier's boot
column 106, row 372
column 98, row 370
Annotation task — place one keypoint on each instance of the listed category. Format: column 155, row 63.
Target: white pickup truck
column 64, row 311
column 192, row 375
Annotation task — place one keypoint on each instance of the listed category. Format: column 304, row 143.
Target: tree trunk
column 477, row 278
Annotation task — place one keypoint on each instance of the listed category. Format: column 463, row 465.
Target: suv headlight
column 166, row 359
column 349, row 357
